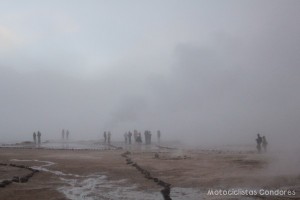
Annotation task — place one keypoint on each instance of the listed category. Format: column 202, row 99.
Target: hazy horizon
column 205, row 71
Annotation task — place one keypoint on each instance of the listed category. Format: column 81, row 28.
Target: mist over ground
column 206, row 72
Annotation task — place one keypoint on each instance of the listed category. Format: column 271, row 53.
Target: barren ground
column 194, row 171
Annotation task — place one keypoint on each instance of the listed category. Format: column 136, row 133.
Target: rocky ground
column 135, row 173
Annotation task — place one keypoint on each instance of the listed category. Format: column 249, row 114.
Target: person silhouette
column 63, row 134
column 67, row 135
column 158, row 136
column 39, row 137
column 264, row 143
column 129, row 137
column 258, row 142
column 34, row 138
column 108, row 137
column 104, row 135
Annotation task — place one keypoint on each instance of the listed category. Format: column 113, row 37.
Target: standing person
column 158, row 136
column 258, row 142
column 149, row 137
column 125, row 137
column 67, row 135
column 264, row 143
column 34, row 138
column 129, row 137
column 135, row 135
column 146, row 136
column 139, row 138
column 63, row 134
column 39, row 137
column 104, row 135
column 108, row 137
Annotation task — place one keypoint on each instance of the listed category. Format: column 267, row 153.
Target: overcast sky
column 208, row 71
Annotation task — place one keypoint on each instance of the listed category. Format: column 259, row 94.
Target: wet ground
column 91, row 170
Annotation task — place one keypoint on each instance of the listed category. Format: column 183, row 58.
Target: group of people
column 107, row 137
column 127, row 137
column 261, row 142
column 65, row 134
column 38, row 137
column 138, row 138
column 136, row 135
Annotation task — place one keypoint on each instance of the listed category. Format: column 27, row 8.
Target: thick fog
column 203, row 71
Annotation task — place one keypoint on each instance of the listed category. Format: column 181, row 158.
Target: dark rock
column 16, row 179
column 6, row 182
column 161, row 183
column 166, row 192
column 147, row 176
column 23, row 179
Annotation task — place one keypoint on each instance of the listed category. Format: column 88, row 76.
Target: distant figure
column 264, row 143
column 258, row 142
column 34, row 138
column 108, row 137
column 104, row 135
column 129, row 137
column 147, row 137
column 139, row 138
column 158, row 136
column 126, row 137
column 135, row 134
column 63, row 134
column 39, row 137
column 67, row 135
